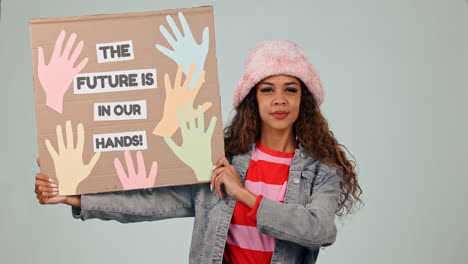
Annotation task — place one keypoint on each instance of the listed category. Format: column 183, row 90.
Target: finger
column 205, row 107
column 141, row 164
column 42, row 188
column 93, row 161
column 39, row 184
column 38, row 161
column 218, row 185
column 206, row 39
column 201, row 118
column 178, row 78
column 50, row 194
column 47, row 198
column 174, row 27
column 58, row 45
column 153, row 173
column 69, row 45
column 185, row 26
column 219, row 162
column 120, row 172
column 189, row 76
column 47, row 183
column 172, row 145
column 219, row 170
column 213, row 179
column 69, row 132
column 167, row 84
column 47, row 194
column 81, row 65
column 167, row 36
column 76, row 52
column 43, row 177
column 222, row 162
column 210, row 129
column 129, row 163
column 61, row 143
column 80, row 137
column 56, row 199
column 191, row 117
column 43, row 184
column 182, row 121
column 169, row 53
column 199, row 84
column 40, row 58
column 51, row 150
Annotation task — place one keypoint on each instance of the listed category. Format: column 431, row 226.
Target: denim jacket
column 301, row 225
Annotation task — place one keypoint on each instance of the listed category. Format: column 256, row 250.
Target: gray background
column 395, row 73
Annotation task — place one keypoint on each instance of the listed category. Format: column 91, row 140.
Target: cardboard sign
column 127, row 101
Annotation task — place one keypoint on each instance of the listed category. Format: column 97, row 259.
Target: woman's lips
column 280, row 114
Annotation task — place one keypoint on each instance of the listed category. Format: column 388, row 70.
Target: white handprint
column 186, row 50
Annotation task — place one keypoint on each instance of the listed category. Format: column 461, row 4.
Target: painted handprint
column 195, row 150
column 68, row 161
column 178, row 96
column 186, row 50
column 135, row 179
column 57, row 76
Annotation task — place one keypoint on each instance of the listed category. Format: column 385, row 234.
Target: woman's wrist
column 246, row 197
column 73, row 200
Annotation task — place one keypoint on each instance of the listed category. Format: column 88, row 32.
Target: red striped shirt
column 267, row 176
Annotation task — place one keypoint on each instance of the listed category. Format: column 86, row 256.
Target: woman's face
column 279, row 98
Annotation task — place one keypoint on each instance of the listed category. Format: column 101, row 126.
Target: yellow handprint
column 69, row 167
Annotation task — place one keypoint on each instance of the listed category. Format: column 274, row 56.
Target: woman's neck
column 278, row 140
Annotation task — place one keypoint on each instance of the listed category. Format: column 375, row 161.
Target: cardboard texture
column 127, row 101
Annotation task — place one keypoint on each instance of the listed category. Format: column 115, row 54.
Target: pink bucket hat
column 274, row 57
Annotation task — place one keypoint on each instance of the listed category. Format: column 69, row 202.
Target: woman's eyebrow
column 269, row 83
column 266, row 83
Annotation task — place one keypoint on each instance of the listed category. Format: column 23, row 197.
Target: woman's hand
column 46, row 191
column 224, row 174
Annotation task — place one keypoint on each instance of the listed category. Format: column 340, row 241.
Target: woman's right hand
column 46, row 192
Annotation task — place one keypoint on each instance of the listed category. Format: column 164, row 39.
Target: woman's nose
column 279, row 99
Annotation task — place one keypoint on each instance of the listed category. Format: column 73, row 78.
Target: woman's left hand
column 225, row 175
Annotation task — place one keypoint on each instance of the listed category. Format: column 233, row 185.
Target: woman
column 274, row 198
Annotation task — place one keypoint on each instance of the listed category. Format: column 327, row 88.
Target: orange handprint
column 178, row 96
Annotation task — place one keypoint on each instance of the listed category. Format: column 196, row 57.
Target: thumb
column 90, row 166
column 222, row 162
column 40, row 58
column 56, row 199
column 172, row 145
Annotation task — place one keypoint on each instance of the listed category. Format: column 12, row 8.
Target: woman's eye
column 266, row 90
column 291, row 90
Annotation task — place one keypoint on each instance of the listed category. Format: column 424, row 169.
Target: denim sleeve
column 310, row 226
column 138, row 205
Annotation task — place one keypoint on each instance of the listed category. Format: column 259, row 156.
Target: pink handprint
column 57, row 76
column 134, row 180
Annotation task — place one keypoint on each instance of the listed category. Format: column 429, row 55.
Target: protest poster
column 127, row 101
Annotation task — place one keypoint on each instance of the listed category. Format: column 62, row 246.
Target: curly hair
column 310, row 129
